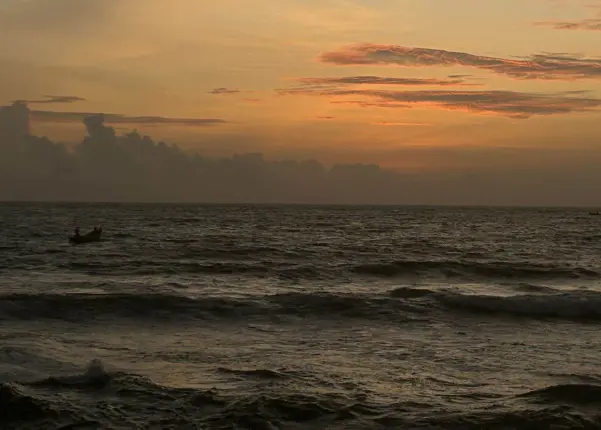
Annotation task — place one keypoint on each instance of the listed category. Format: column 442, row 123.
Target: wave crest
column 457, row 269
column 577, row 306
column 143, row 403
column 574, row 394
column 397, row 306
column 16, row 405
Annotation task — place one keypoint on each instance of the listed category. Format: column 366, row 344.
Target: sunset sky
column 408, row 84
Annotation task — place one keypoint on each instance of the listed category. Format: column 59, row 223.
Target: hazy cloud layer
column 512, row 104
column 108, row 167
column 53, row 116
column 538, row 66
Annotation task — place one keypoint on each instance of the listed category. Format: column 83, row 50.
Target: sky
column 418, row 86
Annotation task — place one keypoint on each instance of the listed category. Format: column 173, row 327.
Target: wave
column 531, row 288
column 255, row 373
column 457, row 269
column 189, row 266
column 574, row 394
column 171, row 307
column 142, row 403
column 95, row 376
column 82, row 401
column 581, row 306
column 401, row 305
column 306, row 264
column 398, row 306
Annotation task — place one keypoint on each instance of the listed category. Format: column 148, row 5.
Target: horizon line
column 241, row 203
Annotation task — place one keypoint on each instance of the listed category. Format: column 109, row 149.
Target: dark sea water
column 241, row 317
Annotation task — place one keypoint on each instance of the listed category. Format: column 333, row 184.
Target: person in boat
column 77, row 232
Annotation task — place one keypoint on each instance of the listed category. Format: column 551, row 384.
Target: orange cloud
column 377, row 80
column 593, row 24
column 539, row 66
column 401, row 124
column 54, row 99
column 223, row 91
column 65, row 117
column 511, row 104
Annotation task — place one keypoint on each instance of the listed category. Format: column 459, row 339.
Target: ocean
column 299, row 317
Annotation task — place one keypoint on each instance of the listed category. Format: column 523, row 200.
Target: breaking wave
column 101, row 399
column 400, row 305
column 574, row 394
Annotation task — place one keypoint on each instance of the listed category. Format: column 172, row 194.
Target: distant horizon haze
column 106, row 166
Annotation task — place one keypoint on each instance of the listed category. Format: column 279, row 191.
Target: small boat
column 93, row 236
column 594, row 213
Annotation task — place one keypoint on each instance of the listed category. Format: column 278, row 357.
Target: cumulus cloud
column 539, row 66
column 105, row 167
column 53, row 116
column 511, row 104
column 378, row 80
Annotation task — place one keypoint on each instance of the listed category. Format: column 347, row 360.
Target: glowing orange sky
column 386, row 81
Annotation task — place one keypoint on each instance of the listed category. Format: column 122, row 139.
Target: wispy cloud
column 539, row 66
column 511, row 104
column 224, row 91
column 52, row 116
column 460, row 76
column 55, row 99
column 401, row 124
column 592, row 24
column 378, row 80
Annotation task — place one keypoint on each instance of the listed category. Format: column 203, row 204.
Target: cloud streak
column 401, row 124
column 377, row 80
column 591, row 24
column 224, row 91
column 538, row 66
column 512, row 104
column 53, row 116
column 54, row 99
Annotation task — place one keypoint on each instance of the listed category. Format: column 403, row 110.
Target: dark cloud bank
column 106, row 167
